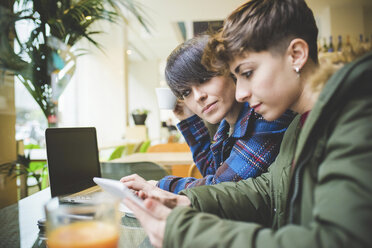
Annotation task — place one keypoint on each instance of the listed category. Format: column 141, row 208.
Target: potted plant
column 139, row 116
column 44, row 60
column 24, row 167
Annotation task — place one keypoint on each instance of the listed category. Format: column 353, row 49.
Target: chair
column 117, row 153
column 169, row 147
column 145, row 146
column 126, row 149
column 177, row 170
column 147, row 170
column 194, row 172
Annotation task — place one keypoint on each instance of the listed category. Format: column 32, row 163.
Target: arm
column 197, row 137
column 250, row 156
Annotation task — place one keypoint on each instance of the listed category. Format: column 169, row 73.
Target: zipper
column 296, row 190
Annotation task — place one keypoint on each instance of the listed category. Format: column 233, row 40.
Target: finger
column 130, row 178
column 142, row 194
column 134, row 185
column 139, row 185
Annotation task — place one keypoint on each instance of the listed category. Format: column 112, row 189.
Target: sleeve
column 219, row 221
column 197, row 137
column 341, row 215
column 249, row 157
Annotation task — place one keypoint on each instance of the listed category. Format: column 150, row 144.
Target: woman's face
column 211, row 100
column 268, row 82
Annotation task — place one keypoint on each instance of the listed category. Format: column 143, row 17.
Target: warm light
column 88, row 18
column 129, row 52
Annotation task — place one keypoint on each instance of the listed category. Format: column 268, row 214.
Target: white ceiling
column 164, row 14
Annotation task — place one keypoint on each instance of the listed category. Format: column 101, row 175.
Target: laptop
column 73, row 161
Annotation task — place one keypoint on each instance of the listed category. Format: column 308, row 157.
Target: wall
column 96, row 94
column 344, row 19
column 367, row 13
column 8, row 188
column 323, row 20
column 143, row 79
column 347, row 20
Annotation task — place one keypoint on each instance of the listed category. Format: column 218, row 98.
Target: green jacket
column 325, row 202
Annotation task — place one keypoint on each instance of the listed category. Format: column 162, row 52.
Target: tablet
column 119, row 190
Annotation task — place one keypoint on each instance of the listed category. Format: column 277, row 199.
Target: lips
column 256, row 106
column 209, row 107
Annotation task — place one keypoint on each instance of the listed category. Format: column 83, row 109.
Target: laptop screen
column 73, row 161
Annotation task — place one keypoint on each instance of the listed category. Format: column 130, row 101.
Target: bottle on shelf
column 339, row 44
column 366, row 44
column 319, row 46
column 348, row 47
column 325, row 47
column 359, row 47
column 331, row 48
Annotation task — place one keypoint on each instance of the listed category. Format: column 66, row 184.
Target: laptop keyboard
column 81, row 198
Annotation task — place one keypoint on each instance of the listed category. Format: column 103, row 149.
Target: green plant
column 44, row 59
column 24, row 166
column 140, row 111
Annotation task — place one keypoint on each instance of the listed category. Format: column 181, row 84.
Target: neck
column 308, row 97
column 233, row 114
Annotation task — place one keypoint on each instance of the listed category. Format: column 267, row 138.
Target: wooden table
column 161, row 158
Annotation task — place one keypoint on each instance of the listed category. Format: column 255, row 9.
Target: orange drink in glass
column 91, row 225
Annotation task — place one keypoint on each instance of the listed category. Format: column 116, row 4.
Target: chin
column 214, row 118
column 213, row 121
column 270, row 117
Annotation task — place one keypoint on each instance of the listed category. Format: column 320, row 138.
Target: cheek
column 192, row 105
column 262, row 88
column 229, row 97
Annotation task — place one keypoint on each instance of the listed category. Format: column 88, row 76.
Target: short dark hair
column 262, row 25
column 184, row 67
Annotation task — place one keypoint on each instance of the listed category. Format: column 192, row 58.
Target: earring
column 297, row 70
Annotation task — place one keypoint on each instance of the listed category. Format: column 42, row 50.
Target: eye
column 185, row 93
column 203, row 80
column 246, row 74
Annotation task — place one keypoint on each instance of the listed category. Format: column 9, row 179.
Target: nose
column 199, row 94
column 243, row 92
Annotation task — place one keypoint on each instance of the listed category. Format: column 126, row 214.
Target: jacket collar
column 333, row 94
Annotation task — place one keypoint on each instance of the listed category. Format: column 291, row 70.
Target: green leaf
column 67, row 20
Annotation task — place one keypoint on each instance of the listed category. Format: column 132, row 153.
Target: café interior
column 110, row 84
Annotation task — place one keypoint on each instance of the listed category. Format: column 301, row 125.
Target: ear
column 298, row 50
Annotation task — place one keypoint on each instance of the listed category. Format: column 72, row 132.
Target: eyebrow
column 237, row 69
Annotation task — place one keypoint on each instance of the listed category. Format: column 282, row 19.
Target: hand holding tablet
column 119, row 190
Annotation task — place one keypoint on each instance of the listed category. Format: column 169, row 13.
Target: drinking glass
column 93, row 224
